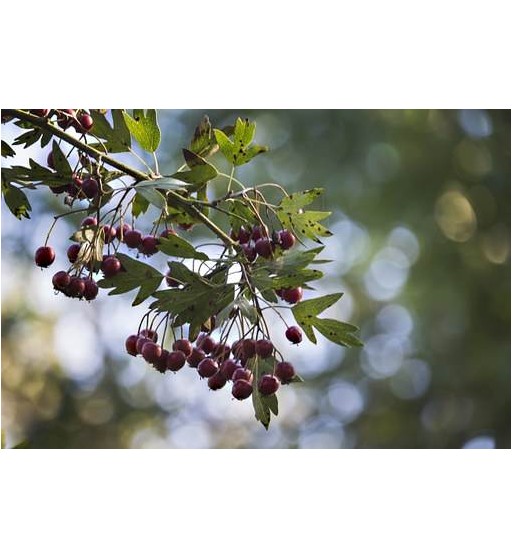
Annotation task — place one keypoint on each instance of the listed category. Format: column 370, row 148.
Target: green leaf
column 200, row 170
column 152, row 195
column 303, row 223
column 117, row 136
column 296, row 279
column 176, row 246
column 144, row 128
column 340, row 333
column 16, row 201
column 7, row 150
column 23, row 444
column 263, row 405
column 137, row 275
column 60, row 162
column 203, row 142
column 139, row 205
column 28, row 138
column 271, row 402
column 241, row 214
column 239, row 151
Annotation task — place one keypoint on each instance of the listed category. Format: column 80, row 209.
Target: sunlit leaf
column 144, row 128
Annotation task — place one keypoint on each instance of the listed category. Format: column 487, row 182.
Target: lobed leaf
column 144, row 128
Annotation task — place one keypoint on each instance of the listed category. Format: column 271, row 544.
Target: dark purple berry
column 86, row 121
column 268, row 385
column 89, row 222
column 249, row 251
column 161, row 363
column 207, row 367
column 151, row 352
column 149, row 245
column 286, row 239
column 61, row 280
column 264, row 348
column 216, row 381
column 91, row 289
column 90, row 187
column 264, row 247
column 240, row 373
column 248, row 348
column 227, row 368
column 284, row 371
column 76, row 287
column 110, row 266
column 72, row 253
column 293, row 334
column 195, row 357
column 141, row 341
column 242, row 389
column 175, row 360
column 167, row 233
column 293, row 295
column 132, row 238
column 130, row 344
column 207, row 344
column 44, row 256
column 184, row 346
column 150, row 334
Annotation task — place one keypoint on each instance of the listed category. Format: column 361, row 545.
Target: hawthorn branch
column 45, row 124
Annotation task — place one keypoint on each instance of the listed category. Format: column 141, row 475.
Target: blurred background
column 421, row 249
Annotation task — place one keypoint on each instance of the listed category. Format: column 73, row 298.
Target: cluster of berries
column 81, row 121
column 256, row 241
column 219, row 363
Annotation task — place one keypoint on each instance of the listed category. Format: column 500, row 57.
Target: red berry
column 216, row 381
column 264, row 247
column 222, row 352
column 286, row 239
column 284, row 371
column 130, row 344
column 264, row 348
column 184, row 346
column 294, row 334
column 40, row 112
column 91, row 289
column 122, row 231
column 241, row 373
column 76, row 287
column 244, row 236
column 132, row 238
column 207, row 344
column 150, row 334
column 44, row 256
column 207, row 367
column 109, row 233
column 242, row 389
column 175, row 360
column 90, row 187
column 89, row 222
column 248, row 348
column 249, row 251
column 72, row 253
column 86, row 121
column 268, row 385
column 161, row 363
column 111, row 266
column 258, row 232
column 141, row 341
column 227, row 368
column 151, row 352
column 149, row 245
column 293, row 295
column 195, row 357
column 61, row 280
